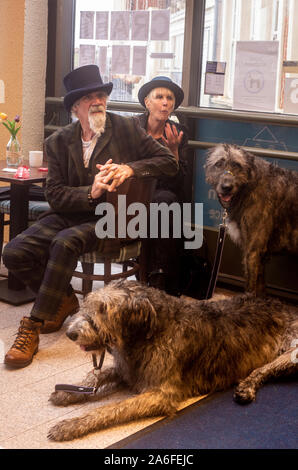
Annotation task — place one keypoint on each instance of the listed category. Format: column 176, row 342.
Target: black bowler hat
column 81, row 81
column 161, row 82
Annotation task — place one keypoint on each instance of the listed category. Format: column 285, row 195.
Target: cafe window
column 131, row 41
column 250, row 55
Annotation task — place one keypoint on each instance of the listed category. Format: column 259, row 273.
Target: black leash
column 78, row 389
column 218, row 254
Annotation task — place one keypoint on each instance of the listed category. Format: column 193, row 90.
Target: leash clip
column 94, row 360
column 224, row 218
column 81, row 389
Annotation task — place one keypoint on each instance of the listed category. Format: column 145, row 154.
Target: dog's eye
column 236, row 166
column 219, row 163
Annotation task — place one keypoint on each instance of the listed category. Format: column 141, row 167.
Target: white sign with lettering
column 255, row 75
column 291, row 96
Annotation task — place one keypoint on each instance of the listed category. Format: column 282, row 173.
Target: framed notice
column 215, row 78
column 255, row 75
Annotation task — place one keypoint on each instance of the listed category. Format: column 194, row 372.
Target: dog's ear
column 138, row 317
column 251, row 166
column 148, row 316
column 213, row 154
column 94, row 304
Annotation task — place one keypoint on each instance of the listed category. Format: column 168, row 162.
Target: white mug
column 35, row 158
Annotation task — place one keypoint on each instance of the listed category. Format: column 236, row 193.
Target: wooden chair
column 130, row 254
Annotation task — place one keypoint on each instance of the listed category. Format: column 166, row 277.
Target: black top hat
column 81, row 81
column 161, row 82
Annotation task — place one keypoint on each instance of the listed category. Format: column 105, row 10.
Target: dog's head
column 228, row 168
column 117, row 314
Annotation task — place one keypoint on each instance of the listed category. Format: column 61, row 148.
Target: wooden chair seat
column 128, row 257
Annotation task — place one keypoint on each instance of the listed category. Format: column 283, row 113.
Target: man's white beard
column 97, row 121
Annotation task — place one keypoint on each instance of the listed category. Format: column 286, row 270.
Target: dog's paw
column 63, row 431
column 60, row 398
column 244, row 394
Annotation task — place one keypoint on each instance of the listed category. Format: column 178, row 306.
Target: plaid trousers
column 45, row 255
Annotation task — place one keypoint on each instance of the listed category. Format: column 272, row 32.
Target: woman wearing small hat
column 161, row 96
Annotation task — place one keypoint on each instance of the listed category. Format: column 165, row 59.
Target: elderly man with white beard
column 90, row 156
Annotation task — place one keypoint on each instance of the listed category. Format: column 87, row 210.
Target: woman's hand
column 173, row 139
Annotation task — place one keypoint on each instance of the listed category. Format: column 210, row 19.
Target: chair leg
column 107, row 271
column 124, row 267
column 143, row 275
column 87, row 268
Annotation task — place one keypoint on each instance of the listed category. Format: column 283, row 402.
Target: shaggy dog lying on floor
column 262, row 205
column 168, row 349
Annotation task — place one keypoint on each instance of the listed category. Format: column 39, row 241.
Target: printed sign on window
column 86, row 24
column 87, row 54
column 160, row 25
column 255, row 75
column 102, row 60
column 140, row 25
column 120, row 25
column 291, row 96
column 120, row 59
column 139, row 60
column 102, row 25
column 215, row 78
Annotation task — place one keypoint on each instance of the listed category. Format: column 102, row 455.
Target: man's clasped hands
column 109, row 177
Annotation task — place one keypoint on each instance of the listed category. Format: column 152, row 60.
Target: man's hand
column 110, row 176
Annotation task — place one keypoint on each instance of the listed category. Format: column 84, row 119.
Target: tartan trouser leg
column 44, row 257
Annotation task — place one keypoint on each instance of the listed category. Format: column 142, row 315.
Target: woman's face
column 160, row 103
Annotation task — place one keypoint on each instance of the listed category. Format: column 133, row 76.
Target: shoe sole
column 11, row 365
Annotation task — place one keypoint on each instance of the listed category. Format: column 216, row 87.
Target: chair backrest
column 136, row 190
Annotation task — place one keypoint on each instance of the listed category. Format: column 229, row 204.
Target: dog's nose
column 72, row 335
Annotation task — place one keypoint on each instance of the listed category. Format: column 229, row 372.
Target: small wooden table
column 12, row 290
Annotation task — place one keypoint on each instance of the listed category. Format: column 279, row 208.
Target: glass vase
column 14, row 156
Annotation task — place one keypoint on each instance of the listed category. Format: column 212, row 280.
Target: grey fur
column 168, row 349
column 262, row 205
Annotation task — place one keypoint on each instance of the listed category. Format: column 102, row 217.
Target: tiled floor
column 26, row 413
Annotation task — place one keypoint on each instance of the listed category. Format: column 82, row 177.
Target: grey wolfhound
column 262, row 206
column 168, row 349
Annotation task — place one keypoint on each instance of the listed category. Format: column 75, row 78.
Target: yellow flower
column 3, row 116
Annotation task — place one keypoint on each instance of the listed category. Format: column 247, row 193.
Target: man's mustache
column 97, row 109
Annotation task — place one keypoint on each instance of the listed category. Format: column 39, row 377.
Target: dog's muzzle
column 225, row 187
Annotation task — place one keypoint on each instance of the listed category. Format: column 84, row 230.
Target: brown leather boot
column 26, row 344
column 69, row 306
